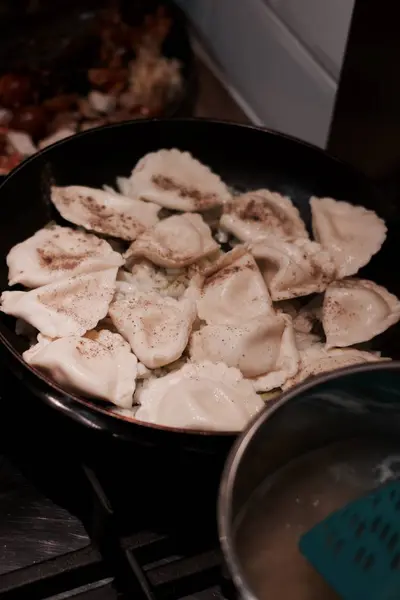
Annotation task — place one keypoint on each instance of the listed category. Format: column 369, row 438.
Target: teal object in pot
column 357, row 548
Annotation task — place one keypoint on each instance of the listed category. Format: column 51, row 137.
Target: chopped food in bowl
column 120, row 67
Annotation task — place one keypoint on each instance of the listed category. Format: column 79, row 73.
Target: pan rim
column 97, row 411
column 189, row 120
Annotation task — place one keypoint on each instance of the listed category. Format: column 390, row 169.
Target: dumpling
column 316, row 359
column 260, row 213
column 263, row 349
column 157, row 327
column 176, row 180
column 101, row 366
column 293, row 269
column 352, row 234
column 110, row 214
column 71, row 306
column 55, row 253
column 176, row 242
column 199, row 396
column 356, row 310
column 234, row 290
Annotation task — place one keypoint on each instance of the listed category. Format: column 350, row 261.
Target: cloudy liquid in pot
column 293, row 501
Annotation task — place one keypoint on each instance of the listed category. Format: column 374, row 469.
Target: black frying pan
column 245, row 157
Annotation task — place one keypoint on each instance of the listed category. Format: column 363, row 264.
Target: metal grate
column 62, row 537
column 145, row 564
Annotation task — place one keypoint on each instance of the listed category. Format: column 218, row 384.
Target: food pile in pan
column 129, row 77
column 188, row 305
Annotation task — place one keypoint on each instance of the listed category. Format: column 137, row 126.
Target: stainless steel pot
column 361, row 402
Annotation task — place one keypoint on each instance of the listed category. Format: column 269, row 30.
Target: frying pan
column 245, row 157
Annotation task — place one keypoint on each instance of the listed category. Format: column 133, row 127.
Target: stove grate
column 146, row 565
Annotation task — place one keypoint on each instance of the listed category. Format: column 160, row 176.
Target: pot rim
column 224, row 504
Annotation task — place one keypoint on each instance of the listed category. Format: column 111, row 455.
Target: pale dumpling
column 352, row 234
column 234, row 290
column 200, row 396
column 54, row 253
column 157, row 327
column 101, row 366
column 316, row 359
column 175, row 242
column 261, row 213
column 357, row 310
column 104, row 212
column 263, row 348
column 176, row 180
column 71, row 306
column 293, row 269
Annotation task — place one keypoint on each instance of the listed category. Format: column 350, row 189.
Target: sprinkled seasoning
column 84, row 299
column 53, row 259
column 105, row 212
column 256, row 209
column 201, row 199
column 90, row 350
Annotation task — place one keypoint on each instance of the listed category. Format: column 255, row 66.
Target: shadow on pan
column 245, row 157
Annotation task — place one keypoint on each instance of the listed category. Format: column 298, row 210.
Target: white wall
column 283, row 57
column 321, row 25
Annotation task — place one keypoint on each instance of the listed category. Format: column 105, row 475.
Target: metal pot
column 323, row 416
